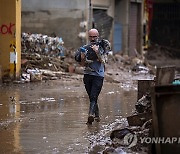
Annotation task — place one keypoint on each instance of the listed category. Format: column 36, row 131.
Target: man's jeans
column 93, row 85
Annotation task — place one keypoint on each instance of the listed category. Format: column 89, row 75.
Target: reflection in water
column 52, row 119
column 10, row 108
column 17, row 108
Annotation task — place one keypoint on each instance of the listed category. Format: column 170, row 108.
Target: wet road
column 50, row 117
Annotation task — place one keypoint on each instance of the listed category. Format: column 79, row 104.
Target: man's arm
column 100, row 57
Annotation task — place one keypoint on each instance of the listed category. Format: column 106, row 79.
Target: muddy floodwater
column 50, row 117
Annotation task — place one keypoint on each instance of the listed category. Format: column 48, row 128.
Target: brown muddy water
column 50, row 117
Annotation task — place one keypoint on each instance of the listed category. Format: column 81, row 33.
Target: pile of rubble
column 43, row 57
column 138, row 64
column 159, row 52
column 129, row 138
column 42, row 44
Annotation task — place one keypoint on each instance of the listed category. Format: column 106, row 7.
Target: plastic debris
column 176, row 82
column 43, row 44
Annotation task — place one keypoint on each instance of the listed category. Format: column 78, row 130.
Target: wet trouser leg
column 96, row 110
column 93, row 86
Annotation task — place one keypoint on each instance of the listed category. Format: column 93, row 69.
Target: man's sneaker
column 90, row 120
column 97, row 119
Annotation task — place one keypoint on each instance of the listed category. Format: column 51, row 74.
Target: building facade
column 120, row 21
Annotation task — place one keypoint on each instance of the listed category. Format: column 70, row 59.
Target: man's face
column 93, row 37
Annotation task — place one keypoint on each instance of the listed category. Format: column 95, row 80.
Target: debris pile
column 156, row 51
column 123, row 67
column 43, row 56
column 138, row 65
column 143, row 105
column 129, row 138
column 42, row 44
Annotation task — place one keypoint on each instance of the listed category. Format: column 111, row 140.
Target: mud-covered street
column 50, row 116
column 130, row 49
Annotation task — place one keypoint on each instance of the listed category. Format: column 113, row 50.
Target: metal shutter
column 102, row 22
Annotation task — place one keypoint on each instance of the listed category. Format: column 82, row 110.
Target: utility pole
column 10, row 38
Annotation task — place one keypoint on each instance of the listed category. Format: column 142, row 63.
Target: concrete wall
column 61, row 17
column 100, row 3
column 122, row 17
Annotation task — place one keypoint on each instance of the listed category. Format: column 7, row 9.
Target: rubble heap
column 42, row 56
column 156, row 51
column 139, row 126
column 42, row 44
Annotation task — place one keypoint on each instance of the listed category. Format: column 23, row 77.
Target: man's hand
column 82, row 59
column 95, row 48
column 100, row 57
